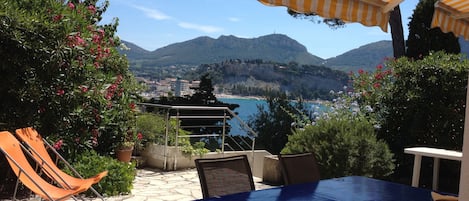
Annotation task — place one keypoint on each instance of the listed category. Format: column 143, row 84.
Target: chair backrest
column 20, row 165
column 223, row 176
column 39, row 152
column 299, row 168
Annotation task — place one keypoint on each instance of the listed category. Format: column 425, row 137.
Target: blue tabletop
column 352, row 188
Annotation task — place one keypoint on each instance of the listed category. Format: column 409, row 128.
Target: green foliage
column 120, row 175
column 204, row 93
column 198, row 149
column 274, row 123
column 426, row 103
column 369, row 89
column 417, row 103
column 63, row 74
column 153, row 128
column 343, row 146
column 422, row 38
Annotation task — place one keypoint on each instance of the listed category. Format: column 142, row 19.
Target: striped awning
column 452, row 16
column 366, row 12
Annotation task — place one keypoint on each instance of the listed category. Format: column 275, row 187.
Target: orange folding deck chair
column 12, row 149
column 37, row 146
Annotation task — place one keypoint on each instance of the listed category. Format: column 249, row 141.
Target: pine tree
column 422, row 38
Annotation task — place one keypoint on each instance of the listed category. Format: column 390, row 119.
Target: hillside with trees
column 365, row 57
column 257, row 77
column 273, row 47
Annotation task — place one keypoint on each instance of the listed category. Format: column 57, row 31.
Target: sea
column 248, row 107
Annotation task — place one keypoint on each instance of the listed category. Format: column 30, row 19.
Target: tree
column 204, row 93
column 397, row 33
column 275, row 123
column 422, row 38
column 203, row 96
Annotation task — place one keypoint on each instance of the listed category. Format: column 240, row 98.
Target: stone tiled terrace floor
column 156, row 185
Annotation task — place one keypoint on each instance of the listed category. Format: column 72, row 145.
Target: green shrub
column 197, row 149
column 119, row 179
column 343, row 146
column 426, row 104
column 153, row 129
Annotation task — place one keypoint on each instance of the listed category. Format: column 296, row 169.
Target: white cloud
column 202, row 28
column 153, row 13
column 234, row 19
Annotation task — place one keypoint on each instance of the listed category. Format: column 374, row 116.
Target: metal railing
column 235, row 142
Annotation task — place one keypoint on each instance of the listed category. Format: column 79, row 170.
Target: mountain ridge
column 201, row 50
column 273, row 47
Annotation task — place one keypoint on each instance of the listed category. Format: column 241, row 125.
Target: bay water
column 248, row 107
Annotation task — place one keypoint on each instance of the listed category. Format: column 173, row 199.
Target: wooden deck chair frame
column 14, row 151
column 39, row 148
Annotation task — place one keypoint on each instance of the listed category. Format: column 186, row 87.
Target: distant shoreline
column 222, row 95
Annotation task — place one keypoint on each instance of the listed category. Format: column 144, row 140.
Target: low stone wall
column 176, row 160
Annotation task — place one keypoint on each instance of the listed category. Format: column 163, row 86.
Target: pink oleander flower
column 71, row 5
column 376, row 85
column 139, row 136
column 57, row 18
column 379, row 76
column 58, row 145
column 60, row 92
column 92, row 9
column 83, row 89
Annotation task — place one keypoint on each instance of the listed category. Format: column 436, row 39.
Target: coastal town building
column 167, row 87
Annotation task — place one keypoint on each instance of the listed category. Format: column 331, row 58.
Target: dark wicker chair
column 299, row 168
column 222, row 176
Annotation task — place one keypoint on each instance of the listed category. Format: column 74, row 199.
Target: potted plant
column 125, row 148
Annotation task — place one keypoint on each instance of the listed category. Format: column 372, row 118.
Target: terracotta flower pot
column 124, row 155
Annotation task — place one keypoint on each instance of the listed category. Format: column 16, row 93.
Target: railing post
column 177, row 139
column 223, row 133
column 166, row 140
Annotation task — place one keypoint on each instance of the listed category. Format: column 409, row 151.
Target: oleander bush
column 63, row 74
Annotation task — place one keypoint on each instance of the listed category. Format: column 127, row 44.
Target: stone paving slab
column 157, row 185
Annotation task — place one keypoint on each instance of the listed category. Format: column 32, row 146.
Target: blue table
column 353, row 188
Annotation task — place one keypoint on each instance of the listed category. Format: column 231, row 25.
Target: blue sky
column 152, row 24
